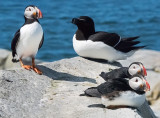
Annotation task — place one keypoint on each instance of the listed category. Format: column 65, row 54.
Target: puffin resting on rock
column 118, row 93
column 125, row 72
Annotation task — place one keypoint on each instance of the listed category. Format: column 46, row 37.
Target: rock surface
column 6, row 60
column 55, row 94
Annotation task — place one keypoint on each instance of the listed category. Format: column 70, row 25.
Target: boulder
column 55, row 94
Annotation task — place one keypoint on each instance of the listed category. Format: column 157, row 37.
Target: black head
column 32, row 12
column 85, row 24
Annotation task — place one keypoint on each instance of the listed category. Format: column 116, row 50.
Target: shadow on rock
column 63, row 76
column 115, row 63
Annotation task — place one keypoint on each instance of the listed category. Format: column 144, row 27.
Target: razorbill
column 101, row 45
column 125, row 72
column 126, row 92
column 29, row 38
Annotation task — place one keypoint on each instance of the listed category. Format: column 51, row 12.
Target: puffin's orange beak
column 39, row 13
column 147, row 85
column 144, row 71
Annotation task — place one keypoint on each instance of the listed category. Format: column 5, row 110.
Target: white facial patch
column 134, row 69
column 29, row 12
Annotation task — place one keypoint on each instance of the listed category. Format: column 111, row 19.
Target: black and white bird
column 29, row 38
column 126, row 92
column 125, row 72
column 101, row 45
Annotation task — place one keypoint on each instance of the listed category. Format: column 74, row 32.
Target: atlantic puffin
column 29, row 38
column 125, row 72
column 101, row 45
column 126, row 92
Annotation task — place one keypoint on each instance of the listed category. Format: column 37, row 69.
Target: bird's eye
column 29, row 9
column 134, row 67
column 136, row 80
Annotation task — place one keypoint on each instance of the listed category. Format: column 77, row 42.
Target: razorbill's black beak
column 75, row 21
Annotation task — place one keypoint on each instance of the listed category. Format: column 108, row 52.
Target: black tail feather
column 102, row 74
column 128, row 44
column 15, row 60
column 92, row 92
column 130, row 38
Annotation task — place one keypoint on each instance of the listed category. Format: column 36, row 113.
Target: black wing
column 113, row 85
column 15, row 42
column 111, row 39
column 41, row 43
column 114, row 40
column 116, row 74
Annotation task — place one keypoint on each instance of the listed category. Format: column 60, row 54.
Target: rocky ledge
column 55, row 94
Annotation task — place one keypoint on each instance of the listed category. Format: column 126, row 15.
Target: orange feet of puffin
column 28, row 67
column 35, row 68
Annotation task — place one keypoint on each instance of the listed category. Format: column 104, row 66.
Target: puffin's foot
column 27, row 67
column 37, row 70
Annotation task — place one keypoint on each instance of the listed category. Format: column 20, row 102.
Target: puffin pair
column 29, row 38
column 124, row 87
column 101, row 45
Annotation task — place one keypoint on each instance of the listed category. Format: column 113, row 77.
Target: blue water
column 125, row 17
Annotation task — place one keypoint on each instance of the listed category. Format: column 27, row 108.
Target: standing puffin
column 125, row 72
column 101, row 45
column 29, row 38
column 121, row 92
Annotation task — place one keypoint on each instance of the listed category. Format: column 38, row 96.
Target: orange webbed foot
column 27, row 67
column 37, row 70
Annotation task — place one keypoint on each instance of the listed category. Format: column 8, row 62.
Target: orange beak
column 39, row 13
column 147, row 85
column 144, row 71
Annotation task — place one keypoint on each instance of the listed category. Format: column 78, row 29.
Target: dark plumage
column 125, row 72
column 116, row 73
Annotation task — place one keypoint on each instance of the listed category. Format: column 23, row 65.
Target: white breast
column 126, row 98
column 98, row 50
column 30, row 38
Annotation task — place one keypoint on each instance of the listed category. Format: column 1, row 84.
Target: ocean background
column 125, row 17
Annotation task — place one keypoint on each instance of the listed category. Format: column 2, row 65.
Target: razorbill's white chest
column 29, row 38
column 126, row 92
column 101, row 45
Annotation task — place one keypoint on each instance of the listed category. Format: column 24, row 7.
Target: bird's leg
column 34, row 67
column 27, row 67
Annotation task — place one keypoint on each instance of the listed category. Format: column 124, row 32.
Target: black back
column 113, row 86
column 116, row 74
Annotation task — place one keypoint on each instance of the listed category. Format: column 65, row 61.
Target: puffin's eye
column 134, row 67
column 29, row 9
column 136, row 80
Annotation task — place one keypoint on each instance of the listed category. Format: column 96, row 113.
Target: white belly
column 126, row 98
column 98, row 50
column 30, row 38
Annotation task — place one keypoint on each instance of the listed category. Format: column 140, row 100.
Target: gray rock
column 6, row 60
column 3, row 55
column 55, row 94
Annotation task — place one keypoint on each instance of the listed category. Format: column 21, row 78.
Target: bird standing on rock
column 101, row 45
column 125, row 72
column 124, row 92
column 29, row 38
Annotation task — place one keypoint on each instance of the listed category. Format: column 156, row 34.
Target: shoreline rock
column 56, row 93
